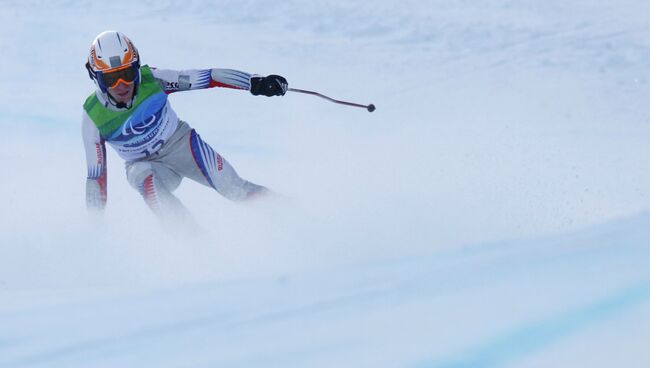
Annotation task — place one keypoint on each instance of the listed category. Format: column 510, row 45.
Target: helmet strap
column 91, row 74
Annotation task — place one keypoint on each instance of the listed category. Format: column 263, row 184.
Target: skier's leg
column 155, row 183
column 219, row 174
column 192, row 158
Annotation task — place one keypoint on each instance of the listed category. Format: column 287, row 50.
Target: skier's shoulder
column 151, row 74
column 91, row 101
column 148, row 72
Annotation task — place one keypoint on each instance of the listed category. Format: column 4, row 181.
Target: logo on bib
column 143, row 121
column 134, row 129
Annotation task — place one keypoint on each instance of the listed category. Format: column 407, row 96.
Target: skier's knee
column 137, row 172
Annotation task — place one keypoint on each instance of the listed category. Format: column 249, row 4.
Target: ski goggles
column 126, row 75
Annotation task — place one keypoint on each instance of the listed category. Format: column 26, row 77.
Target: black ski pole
column 370, row 107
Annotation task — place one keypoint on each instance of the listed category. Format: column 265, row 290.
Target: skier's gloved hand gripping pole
column 275, row 85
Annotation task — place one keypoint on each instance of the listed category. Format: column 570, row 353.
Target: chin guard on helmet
column 91, row 73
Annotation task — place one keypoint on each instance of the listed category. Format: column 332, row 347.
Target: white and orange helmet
column 113, row 59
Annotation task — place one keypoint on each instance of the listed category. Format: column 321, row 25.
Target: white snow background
column 492, row 212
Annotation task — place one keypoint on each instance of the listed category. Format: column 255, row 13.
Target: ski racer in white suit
column 130, row 111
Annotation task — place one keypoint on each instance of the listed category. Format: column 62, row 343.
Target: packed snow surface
column 492, row 212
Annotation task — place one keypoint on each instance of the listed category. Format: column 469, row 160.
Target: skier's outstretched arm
column 185, row 80
column 95, row 147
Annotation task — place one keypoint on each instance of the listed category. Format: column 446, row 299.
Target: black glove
column 272, row 85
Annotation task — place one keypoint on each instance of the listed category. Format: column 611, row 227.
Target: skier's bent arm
column 95, row 147
column 185, row 80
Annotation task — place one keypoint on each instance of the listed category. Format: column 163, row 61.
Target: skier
column 130, row 110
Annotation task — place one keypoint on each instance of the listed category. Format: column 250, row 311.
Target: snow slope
column 577, row 300
column 491, row 212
